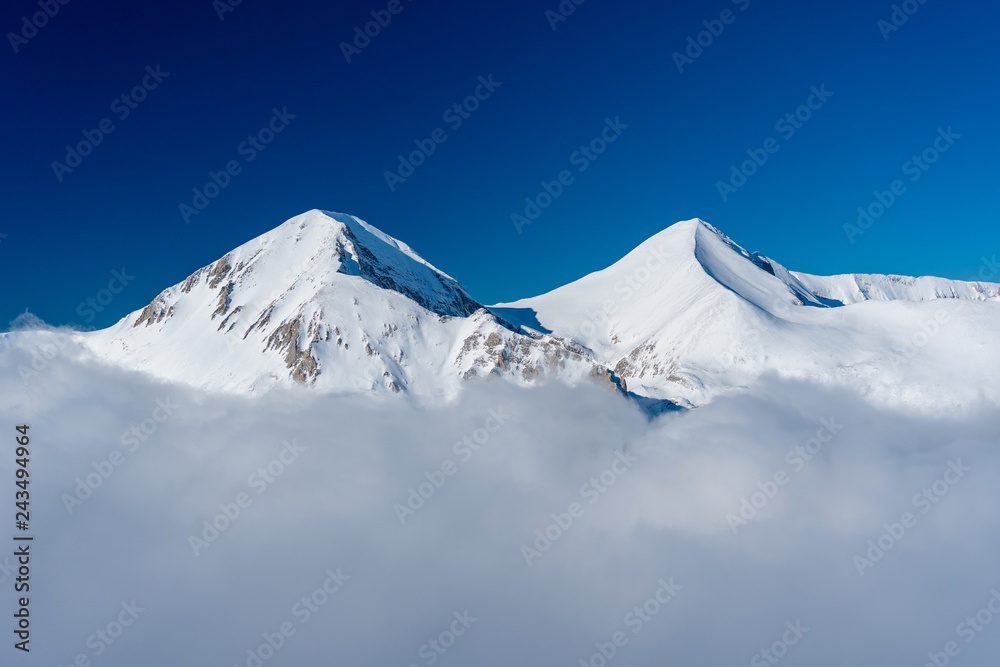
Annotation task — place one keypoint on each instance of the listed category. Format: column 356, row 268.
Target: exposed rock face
column 219, row 273
column 225, row 323
column 496, row 348
column 155, row 312
column 225, row 300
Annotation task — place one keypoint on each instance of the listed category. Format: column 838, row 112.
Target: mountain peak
column 352, row 226
column 317, row 248
column 328, row 300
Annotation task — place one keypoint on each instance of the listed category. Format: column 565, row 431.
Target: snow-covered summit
column 312, row 249
column 690, row 314
column 330, row 301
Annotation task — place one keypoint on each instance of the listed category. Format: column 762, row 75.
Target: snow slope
column 689, row 314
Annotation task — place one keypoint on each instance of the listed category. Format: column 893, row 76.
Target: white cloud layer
column 647, row 500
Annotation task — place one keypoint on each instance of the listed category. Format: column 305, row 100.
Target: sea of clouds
column 557, row 525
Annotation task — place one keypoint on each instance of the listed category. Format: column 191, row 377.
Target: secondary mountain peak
column 689, row 314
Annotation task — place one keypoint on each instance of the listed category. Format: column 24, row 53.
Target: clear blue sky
column 119, row 207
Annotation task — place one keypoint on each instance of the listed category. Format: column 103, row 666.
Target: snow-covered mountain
column 327, row 300
column 690, row 314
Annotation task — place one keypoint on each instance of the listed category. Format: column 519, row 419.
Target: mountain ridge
column 328, row 300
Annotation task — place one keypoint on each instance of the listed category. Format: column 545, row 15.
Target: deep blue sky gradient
column 119, row 208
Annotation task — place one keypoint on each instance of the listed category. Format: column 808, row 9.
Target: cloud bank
column 555, row 525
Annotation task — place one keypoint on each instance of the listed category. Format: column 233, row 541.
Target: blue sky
column 220, row 80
